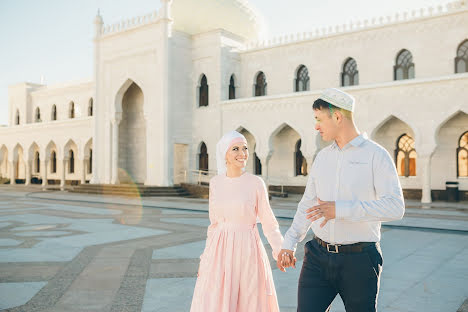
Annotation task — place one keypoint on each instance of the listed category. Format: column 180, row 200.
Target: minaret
column 97, row 109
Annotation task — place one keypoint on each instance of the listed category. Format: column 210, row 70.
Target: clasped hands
column 325, row 210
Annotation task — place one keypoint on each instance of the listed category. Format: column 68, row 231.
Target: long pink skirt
column 234, row 274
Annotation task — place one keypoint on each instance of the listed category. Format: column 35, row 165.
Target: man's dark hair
column 320, row 104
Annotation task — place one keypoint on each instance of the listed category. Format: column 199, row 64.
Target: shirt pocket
column 358, row 175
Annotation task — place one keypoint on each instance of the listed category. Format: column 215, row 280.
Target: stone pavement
column 74, row 252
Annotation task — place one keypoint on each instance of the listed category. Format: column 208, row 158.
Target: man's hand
column 324, row 210
column 286, row 259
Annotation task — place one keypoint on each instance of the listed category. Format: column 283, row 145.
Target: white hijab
column 223, row 146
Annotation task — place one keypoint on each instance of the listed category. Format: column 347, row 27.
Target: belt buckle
column 332, row 251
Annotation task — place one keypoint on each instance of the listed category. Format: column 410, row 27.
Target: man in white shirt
column 353, row 186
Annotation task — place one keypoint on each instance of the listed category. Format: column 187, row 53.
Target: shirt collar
column 357, row 141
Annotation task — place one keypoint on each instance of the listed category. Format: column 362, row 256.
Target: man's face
column 325, row 124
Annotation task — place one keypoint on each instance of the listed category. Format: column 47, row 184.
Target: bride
column 235, row 273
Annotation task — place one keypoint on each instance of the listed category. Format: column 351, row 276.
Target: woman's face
column 237, row 156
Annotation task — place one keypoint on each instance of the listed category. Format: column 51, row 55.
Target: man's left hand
column 325, row 209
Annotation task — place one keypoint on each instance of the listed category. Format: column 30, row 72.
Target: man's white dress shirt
column 362, row 180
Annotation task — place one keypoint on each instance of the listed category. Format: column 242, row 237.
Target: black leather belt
column 357, row 247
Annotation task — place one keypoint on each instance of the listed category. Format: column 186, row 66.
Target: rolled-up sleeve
column 389, row 203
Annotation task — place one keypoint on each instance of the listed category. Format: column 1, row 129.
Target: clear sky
column 53, row 38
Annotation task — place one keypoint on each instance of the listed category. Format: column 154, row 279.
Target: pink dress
column 234, row 273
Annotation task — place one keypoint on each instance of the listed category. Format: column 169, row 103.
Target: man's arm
column 301, row 224
column 389, row 204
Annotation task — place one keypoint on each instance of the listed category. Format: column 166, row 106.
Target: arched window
column 405, row 155
column 203, row 158
column 17, row 118
column 461, row 60
column 90, row 164
column 260, row 84
column 90, row 107
column 462, row 156
column 37, row 161
column 404, row 67
column 54, row 113
column 232, row 88
column 302, row 79
column 71, row 113
column 53, row 162
column 350, row 74
column 300, row 161
column 37, row 116
column 71, row 161
column 203, row 92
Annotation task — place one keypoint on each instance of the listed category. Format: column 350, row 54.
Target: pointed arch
column 88, row 155
column 404, row 65
column 3, row 161
column 90, row 107
column 462, row 155
column 71, row 110
column 51, row 154
column 232, row 87
column 17, row 117
column 399, row 139
column 349, row 73
column 302, row 80
column 121, row 92
column 34, row 154
column 37, row 115
column 202, row 157
column 260, row 84
column 444, row 119
column 461, row 58
column 283, row 143
column 53, row 113
column 203, row 91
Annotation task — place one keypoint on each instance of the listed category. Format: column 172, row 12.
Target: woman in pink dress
column 235, row 273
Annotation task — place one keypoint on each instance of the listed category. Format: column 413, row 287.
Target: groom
column 353, row 186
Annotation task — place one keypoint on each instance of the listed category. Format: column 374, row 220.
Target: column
column 28, row 173
column 83, row 171
column 115, row 151
column 44, row 174
column 12, row 172
column 99, row 134
column 264, row 160
column 62, row 174
column 425, row 162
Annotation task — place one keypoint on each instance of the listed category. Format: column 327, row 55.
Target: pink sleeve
column 213, row 219
column 267, row 218
column 211, row 210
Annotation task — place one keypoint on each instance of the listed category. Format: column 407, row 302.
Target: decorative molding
column 357, row 26
column 129, row 24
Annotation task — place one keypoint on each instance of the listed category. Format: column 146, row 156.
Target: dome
column 235, row 16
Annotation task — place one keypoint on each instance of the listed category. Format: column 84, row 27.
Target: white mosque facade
column 167, row 85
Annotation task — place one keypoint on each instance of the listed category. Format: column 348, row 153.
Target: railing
column 195, row 176
column 203, row 176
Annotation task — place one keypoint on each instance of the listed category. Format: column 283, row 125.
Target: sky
column 53, row 38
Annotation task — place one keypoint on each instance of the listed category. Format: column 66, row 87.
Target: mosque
column 167, row 85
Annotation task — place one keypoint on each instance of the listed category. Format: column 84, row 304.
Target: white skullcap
column 223, row 146
column 338, row 98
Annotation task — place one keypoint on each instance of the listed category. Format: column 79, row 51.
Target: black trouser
column 355, row 276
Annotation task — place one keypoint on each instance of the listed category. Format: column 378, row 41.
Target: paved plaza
column 71, row 252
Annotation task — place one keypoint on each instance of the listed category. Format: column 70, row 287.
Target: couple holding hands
column 353, row 186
